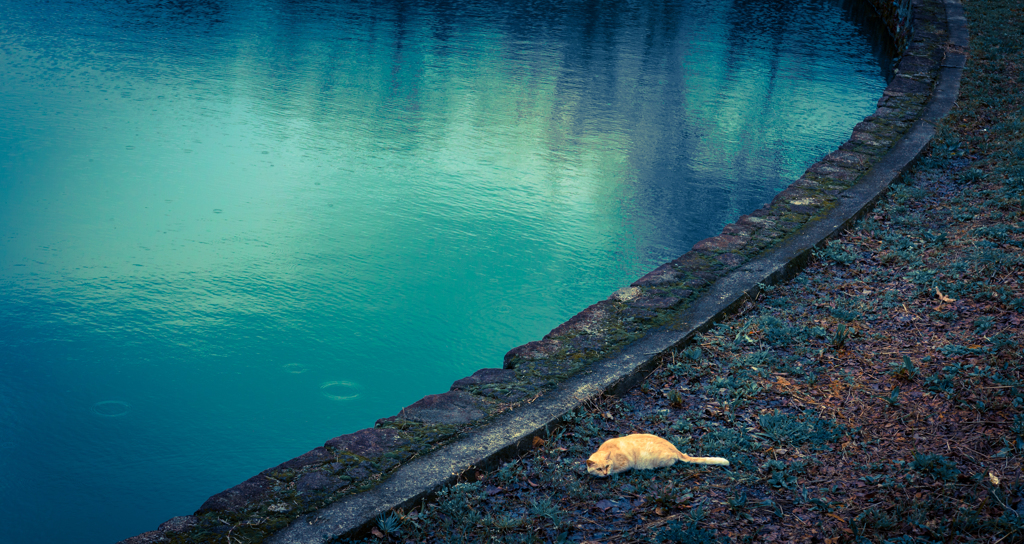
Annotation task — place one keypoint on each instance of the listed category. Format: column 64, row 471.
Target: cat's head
column 599, row 464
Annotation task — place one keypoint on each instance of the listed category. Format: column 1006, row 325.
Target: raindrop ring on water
column 295, row 368
column 111, row 408
column 331, row 390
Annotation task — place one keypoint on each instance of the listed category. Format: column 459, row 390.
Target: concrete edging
column 485, row 419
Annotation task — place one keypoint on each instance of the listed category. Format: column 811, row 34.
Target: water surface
column 230, row 231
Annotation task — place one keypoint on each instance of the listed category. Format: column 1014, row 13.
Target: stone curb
column 496, row 412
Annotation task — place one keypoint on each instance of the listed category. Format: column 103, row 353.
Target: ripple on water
column 338, row 390
column 111, row 408
column 295, row 368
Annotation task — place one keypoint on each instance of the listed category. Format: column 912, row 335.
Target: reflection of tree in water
column 700, row 145
column 166, row 17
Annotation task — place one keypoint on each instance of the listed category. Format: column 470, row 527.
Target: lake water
column 231, row 230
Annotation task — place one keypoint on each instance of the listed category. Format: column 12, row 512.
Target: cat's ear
column 590, row 463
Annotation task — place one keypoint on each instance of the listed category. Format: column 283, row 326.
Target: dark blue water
column 230, row 231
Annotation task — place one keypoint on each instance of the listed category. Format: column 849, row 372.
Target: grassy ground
column 875, row 398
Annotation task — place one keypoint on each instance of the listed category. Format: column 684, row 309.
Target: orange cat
column 640, row 451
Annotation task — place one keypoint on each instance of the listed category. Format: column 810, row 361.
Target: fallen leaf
column 943, row 298
column 993, row 478
column 532, row 484
column 660, row 511
column 538, row 441
column 377, row 533
column 604, row 504
column 836, row 517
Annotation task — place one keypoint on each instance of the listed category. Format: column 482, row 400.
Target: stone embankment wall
column 339, row 487
column 896, row 16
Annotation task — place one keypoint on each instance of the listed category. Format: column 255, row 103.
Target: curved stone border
column 341, row 488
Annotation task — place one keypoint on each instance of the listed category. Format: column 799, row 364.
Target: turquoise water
column 230, row 231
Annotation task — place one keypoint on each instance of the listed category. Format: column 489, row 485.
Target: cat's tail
column 703, row 460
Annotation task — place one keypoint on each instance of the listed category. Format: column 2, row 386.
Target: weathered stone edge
column 672, row 303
